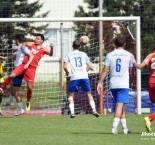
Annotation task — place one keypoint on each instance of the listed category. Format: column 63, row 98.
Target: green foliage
column 142, row 8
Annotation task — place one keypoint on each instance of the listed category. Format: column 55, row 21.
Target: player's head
column 76, row 44
column 39, row 39
column 20, row 38
column 119, row 41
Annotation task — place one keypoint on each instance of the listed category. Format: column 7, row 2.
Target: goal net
column 50, row 87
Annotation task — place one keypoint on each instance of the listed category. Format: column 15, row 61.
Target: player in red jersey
column 149, row 60
column 38, row 51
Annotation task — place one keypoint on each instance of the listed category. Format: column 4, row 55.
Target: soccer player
column 17, row 81
column 38, row 51
column 1, row 81
column 79, row 77
column 118, row 63
column 149, row 60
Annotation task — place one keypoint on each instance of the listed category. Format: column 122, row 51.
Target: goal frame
column 99, row 19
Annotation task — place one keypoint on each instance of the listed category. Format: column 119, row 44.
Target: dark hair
column 20, row 38
column 42, row 36
column 76, row 44
column 119, row 41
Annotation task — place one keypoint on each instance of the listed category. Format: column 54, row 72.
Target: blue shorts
column 17, row 81
column 121, row 95
column 75, row 84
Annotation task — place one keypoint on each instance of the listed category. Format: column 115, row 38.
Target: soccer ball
column 84, row 40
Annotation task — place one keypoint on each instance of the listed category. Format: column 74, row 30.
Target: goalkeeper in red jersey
column 149, row 60
column 38, row 51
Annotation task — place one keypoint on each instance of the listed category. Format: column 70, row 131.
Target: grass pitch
column 62, row 130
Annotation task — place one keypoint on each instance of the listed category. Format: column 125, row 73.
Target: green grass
column 61, row 130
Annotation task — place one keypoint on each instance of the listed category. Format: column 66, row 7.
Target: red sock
column 6, row 82
column 29, row 95
column 152, row 116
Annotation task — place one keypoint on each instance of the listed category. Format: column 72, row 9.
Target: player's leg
column 16, row 84
column 92, row 104
column 29, row 77
column 121, row 97
column 85, row 84
column 0, row 104
column 6, row 82
column 73, row 87
column 17, row 71
column 29, row 95
column 123, row 122
column 10, row 102
column 71, row 105
column 117, row 116
column 151, row 117
column 20, row 109
column 1, row 81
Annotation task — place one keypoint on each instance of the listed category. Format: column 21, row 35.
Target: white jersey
column 20, row 53
column 119, row 61
column 78, row 61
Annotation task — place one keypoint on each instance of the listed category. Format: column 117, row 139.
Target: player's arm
column 65, row 68
column 27, row 52
column 102, row 77
column 8, row 57
column 48, row 52
column 141, row 65
column 144, row 63
column 132, row 77
column 89, row 66
column 51, row 49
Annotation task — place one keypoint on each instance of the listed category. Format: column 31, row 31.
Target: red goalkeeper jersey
column 38, row 51
column 150, row 60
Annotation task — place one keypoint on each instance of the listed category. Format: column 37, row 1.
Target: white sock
column 20, row 105
column 71, row 108
column 116, row 122
column 11, row 97
column 123, row 122
column 92, row 104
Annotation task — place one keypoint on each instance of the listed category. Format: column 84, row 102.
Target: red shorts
column 29, row 74
column 152, row 92
column 19, row 70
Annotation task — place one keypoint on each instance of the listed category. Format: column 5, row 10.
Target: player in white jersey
column 17, row 81
column 119, row 62
column 80, row 64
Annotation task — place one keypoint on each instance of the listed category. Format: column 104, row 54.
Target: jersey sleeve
column 147, row 59
column 131, row 61
column 25, row 50
column 66, row 59
column 87, row 59
column 107, row 60
column 46, row 51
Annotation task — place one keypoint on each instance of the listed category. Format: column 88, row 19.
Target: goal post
column 88, row 27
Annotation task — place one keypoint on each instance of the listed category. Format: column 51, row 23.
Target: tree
column 142, row 8
column 18, row 9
